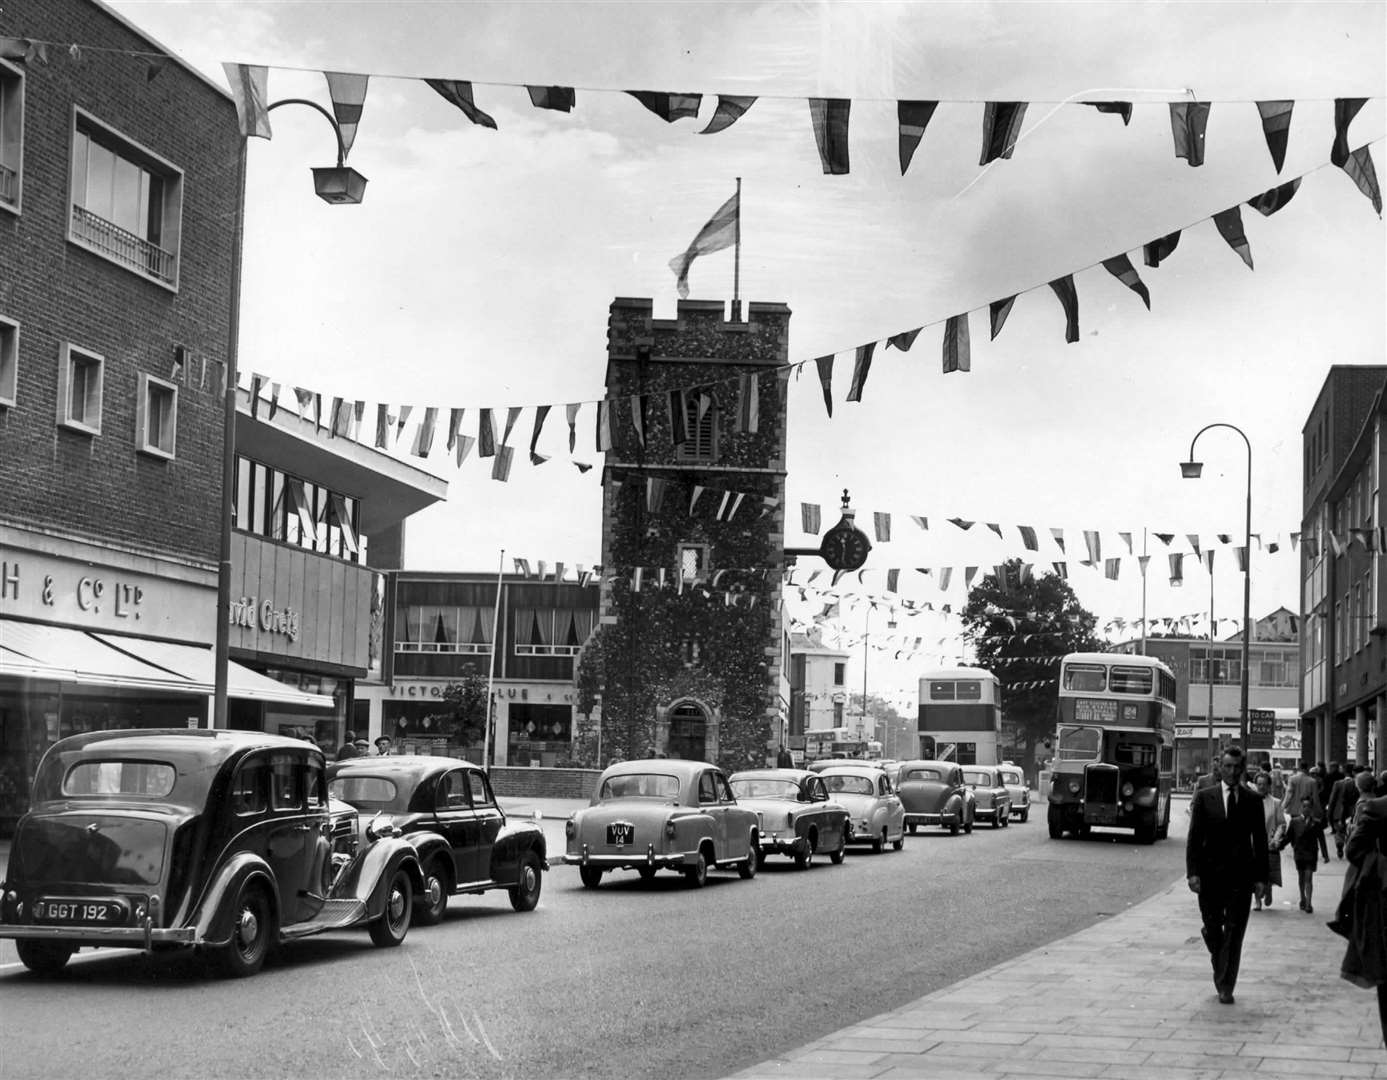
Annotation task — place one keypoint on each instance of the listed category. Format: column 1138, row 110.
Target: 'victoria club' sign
column 245, row 612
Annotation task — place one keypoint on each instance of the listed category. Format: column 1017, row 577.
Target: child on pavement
column 1303, row 835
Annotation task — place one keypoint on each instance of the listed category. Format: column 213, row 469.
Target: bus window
column 1078, row 744
column 941, row 690
column 1130, row 680
column 968, row 690
column 1134, row 753
column 1088, row 678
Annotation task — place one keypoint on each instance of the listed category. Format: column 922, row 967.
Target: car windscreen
column 640, row 786
column 92, row 849
column 765, row 788
column 154, row 779
column 370, row 793
column 850, row 785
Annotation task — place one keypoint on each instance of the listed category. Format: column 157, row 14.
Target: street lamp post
column 1191, row 470
column 341, row 185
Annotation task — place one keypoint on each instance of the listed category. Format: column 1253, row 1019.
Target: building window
column 156, row 417
column 11, row 135
column 700, row 426
column 693, row 561
column 286, row 508
column 837, row 714
column 839, row 674
column 79, row 389
column 126, row 202
column 9, row 361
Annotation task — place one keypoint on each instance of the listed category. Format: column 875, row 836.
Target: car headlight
column 789, row 821
column 1127, row 790
column 669, row 829
column 570, row 828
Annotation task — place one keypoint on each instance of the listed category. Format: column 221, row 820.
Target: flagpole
column 491, row 671
column 737, row 258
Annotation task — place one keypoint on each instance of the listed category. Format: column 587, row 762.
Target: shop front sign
column 38, row 585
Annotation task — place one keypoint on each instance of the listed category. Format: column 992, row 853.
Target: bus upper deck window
column 1087, row 678
column 1130, row 680
column 968, row 690
column 940, row 690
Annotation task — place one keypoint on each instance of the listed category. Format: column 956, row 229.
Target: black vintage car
column 225, row 841
column 445, row 808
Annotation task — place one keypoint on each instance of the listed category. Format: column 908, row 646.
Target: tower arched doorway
column 688, row 732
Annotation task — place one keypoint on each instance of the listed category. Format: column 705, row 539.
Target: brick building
column 692, row 651
column 1343, row 617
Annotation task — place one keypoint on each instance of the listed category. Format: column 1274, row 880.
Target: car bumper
column 629, row 859
column 125, row 937
column 784, row 845
column 933, row 819
column 986, row 813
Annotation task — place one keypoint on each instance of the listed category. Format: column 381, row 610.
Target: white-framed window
column 9, row 362
column 79, row 389
column 11, row 135
column 693, row 561
column 156, row 417
column 127, row 202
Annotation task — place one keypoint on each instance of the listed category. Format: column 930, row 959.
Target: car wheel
column 44, row 958
column 251, row 933
column 913, row 827
column 524, row 895
column 1025, row 815
column 996, row 819
column 898, row 843
column 696, row 876
column 393, row 924
column 747, row 867
column 878, row 843
column 591, row 876
column 430, row 904
column 805, row 859
column 968, row 825
column 836, row 857
column 953, row 828
column 1006, row 818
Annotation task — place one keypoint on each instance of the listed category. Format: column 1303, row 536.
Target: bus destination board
column 1094, row 711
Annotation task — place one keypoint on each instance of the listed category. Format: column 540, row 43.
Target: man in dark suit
column 1225, row 861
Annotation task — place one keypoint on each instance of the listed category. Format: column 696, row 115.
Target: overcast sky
column 479, row 269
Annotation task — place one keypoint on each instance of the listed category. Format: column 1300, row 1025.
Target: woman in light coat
column 1275, row 818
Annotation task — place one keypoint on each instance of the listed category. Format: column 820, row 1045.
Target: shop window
column 79, row 389
column 11, row 135
column 126, row 202
column 156, row 417
column 9, row 361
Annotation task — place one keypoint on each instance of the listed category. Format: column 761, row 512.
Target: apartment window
column 156, row 417
column 283, row 507
column 700, row 426
column 9, row 361
column 11, row 134
column 79, row 389
column 839, row 674
column 126, row 201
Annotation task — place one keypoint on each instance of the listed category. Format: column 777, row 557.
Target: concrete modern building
column 1343, row 618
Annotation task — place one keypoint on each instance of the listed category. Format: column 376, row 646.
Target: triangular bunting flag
column 668, row 107
column 825, row 366
column 500, row 468
column 1028, row 537
column 1121, row 108
column 998, row 311
column 912, row 117
column 904, row 340
column 571, row 412
column 250, row 91
column 882, row 524
column 1001, row 127
column 486, row 434
column 1120, row 267
column 1276, row 126
column 830, row 119
column 729, row 111
column 1230, row 226
column 558, row 98
column 1157, row 251
column 861, row 366
column 1359, row 167
column 956, row 353
column 1188, row 119
column 1069, row 300
column 541, row 411
column 423, row 437
column 1269, row 202
column 459, row 93
column 748, row 404
column 348, row 94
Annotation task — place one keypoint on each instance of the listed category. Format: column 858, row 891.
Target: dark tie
column 1232, row 800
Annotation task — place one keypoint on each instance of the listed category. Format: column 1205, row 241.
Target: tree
column 1019, row 630
column 467, row 708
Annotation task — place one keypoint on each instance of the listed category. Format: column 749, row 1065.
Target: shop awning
column 64, row 654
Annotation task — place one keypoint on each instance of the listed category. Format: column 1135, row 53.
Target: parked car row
column 234, row 842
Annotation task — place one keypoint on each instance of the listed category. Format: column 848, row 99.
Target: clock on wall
column 845, row 546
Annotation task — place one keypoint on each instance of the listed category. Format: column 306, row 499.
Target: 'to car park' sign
column 1261, row 729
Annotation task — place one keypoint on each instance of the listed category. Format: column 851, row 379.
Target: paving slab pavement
column 1129, row 998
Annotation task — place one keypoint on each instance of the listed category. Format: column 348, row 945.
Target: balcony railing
column 9, row 184
column 121, row 245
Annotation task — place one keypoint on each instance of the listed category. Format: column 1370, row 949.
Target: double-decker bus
column 960, row 715
column 1114, row 746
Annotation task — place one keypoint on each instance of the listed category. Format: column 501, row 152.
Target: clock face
column 845, row 548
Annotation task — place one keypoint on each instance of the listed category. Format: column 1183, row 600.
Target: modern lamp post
column 340, row 185
column 1191, row 470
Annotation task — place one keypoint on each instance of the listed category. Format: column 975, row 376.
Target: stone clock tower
column 690, row 657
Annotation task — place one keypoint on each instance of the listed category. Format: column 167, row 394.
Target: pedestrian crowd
column 1233, row 858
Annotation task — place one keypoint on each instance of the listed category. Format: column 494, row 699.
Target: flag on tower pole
column 723, row 230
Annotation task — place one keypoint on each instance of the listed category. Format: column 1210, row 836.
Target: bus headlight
column 1127, row 790
column 1073, row 787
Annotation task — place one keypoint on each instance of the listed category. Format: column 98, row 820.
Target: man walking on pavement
column 1225, row 861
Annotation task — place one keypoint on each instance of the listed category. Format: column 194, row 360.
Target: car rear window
column 153, row 779
column 923, row 774
column 1010, row 777
column 850, row 785
column 368, row 792
column 90, row 849
column 640, row 785
column 972, row 777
